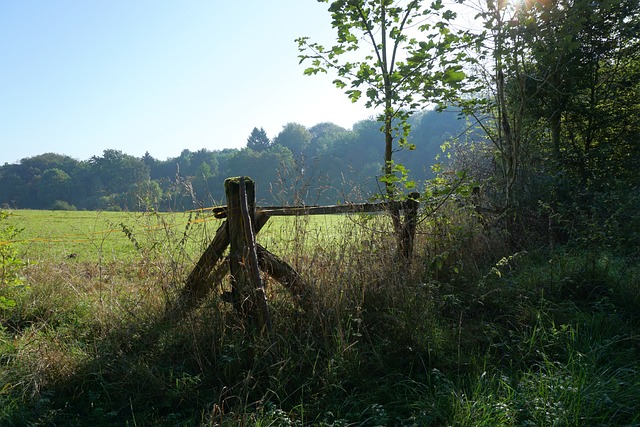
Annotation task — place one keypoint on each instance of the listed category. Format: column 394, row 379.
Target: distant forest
column 321, row 164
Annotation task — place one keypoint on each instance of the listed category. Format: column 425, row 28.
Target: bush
column 61, row 205
column 10, row 263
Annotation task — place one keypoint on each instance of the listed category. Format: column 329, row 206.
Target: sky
column 78, row 77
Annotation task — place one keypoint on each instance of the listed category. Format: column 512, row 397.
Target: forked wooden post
column 199, row 283
column 247, row 290
column 247, row 257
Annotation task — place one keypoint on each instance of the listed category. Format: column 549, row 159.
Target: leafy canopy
column 400, row 55
column 405, row 52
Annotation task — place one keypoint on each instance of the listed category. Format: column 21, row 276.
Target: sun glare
column 527, row 4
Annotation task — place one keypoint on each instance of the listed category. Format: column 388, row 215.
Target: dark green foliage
column 561, row 165
column 323, row 164
column 117, row 171
column 61, row 205
column 294, row 137
column 258, row 140
column 54, row 185
column 592, row 151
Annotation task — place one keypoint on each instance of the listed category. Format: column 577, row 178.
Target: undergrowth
column 472, row 333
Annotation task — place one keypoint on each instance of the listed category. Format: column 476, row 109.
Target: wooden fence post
column 408, row 232
column 211, row 263
column 247, row 290
column 198, row 284
column 251, row 257
column 248, row 295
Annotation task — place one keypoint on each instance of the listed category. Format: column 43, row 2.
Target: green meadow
column 56, row 235
column 471, row 333
column 91, row 236
column 108, row 236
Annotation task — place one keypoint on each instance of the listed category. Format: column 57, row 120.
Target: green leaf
column 6, row 303
column 449, row 15
column 354, row 95
column 400, row 168
column 339, row 84
column 453, row 75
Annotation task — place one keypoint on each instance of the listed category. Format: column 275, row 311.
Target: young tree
column 509, row 87
column 258, row 140
column 506, row 105
column 401, row 55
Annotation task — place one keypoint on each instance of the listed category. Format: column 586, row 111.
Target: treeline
column 321, row 164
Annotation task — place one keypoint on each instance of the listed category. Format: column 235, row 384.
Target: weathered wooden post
column 199, row 283
column 247, row 290
column 408, row 232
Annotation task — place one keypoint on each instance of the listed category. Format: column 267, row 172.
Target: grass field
column 90, row 236
column 56, row 235
column 470, row 334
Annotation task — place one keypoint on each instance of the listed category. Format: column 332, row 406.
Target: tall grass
column 472, row 333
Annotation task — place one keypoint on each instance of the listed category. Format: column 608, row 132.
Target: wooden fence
column 247, row 258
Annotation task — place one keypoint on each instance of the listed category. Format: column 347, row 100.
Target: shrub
column 61, row 205
column 10, row 263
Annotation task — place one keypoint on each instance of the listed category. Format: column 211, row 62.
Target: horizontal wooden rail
column 221, row 211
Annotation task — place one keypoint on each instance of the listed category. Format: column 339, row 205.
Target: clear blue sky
column 78, row 77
